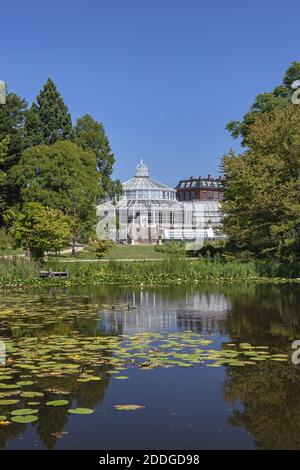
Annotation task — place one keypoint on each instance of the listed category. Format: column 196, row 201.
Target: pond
column 205, row 367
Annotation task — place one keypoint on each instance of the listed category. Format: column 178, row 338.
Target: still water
column 207, row 367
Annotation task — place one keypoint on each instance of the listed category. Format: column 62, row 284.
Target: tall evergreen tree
column 33, row 128
column 12, row 119
column 4, row 143
column 50, row 117
column 90, row 135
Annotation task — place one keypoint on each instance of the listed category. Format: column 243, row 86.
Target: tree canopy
column 43, row 159
column 49, row 119
column 39, row 229
column 262, row 186
column 12, row 120
column 280, row 97
column 90, row 134
column 61, row 176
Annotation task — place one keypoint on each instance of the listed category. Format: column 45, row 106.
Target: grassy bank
column 170, row 271
column 123, row 252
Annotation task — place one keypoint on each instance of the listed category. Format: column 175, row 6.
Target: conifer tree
column 12, row 118
column 33, row 134
column 55, row 119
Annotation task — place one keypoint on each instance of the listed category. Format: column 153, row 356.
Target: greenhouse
column 148, row 212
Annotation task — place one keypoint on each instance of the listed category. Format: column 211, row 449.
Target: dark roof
column 201, row 182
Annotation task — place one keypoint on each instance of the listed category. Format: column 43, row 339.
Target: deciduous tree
column 40, row 229
column 280, row 97
column 262, row 186
column 61, row 176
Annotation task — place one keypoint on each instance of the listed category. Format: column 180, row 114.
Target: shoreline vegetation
column 173, row 270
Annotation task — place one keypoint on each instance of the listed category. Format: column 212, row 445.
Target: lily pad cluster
column 36, row 362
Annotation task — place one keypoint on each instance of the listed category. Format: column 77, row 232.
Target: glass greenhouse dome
column 148, row 212
column 141, row 186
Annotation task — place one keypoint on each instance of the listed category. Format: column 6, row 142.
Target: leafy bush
column 39, row 229
column 99, row 248
column 210, row 249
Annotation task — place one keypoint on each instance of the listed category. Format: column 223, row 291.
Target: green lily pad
column 80, row 411
column 31, row 394
column 24, row 383
column 57, row 403
column 9, row 402
column 24, row 411
column 129, row 407
column 24, row 419
column 9, row 386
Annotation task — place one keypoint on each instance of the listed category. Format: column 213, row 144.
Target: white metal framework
column 148, row 212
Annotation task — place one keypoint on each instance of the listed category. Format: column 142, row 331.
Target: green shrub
column 99, row 248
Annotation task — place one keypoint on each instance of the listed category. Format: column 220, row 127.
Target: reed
column 14, row 270
column 172, row 270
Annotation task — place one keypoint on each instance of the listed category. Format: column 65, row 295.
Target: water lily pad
column 24, row 411
column 8, row 386
column 128, row 407
column 31, row 394
column 80, row 411
column 24, row 419
column 24, row 383
column 9, row 402
column 57, row 403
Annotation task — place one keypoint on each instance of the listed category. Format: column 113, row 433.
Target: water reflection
column 160, row 311
column 263, row 400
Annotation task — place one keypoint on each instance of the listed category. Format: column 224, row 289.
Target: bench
column 51, row 273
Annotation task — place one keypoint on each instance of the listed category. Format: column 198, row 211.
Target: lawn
column 134, row 252
column 122, row 252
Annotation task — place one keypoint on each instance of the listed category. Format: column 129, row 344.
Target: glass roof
column 141, row 180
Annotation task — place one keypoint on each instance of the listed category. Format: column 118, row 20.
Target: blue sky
column 164, row 76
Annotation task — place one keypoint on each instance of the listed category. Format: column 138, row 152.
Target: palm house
column 148, row 211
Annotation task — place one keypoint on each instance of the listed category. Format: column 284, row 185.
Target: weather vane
column 296, row 94
column 2, row 92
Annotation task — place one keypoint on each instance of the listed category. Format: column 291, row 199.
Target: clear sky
column 164, row 76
